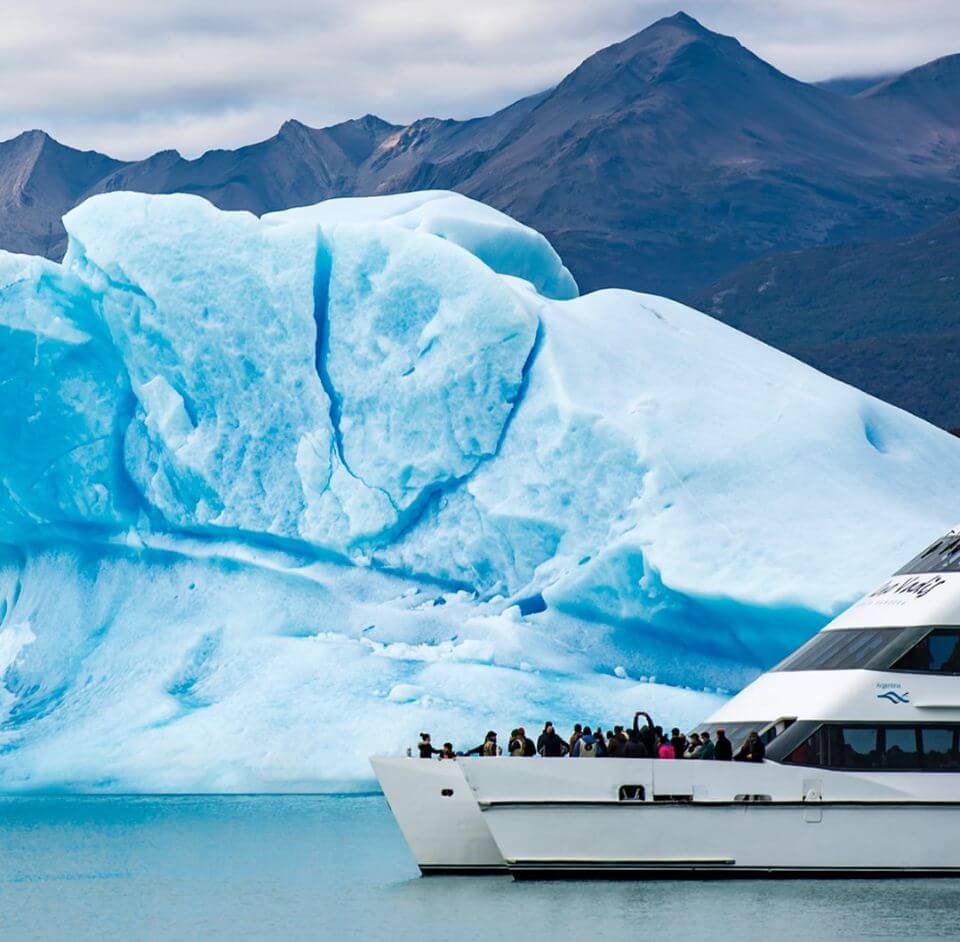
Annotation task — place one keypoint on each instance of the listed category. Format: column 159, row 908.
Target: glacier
column 278, row 493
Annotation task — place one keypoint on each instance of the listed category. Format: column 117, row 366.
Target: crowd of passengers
column 641, row 741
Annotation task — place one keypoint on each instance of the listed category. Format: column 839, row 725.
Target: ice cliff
column 278, row 493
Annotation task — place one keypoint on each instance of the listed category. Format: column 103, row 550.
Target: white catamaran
column 861, row 774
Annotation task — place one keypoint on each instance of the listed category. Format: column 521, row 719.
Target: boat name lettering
column 910, row 585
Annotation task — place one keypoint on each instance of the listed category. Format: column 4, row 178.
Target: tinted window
column 944, row 646
column 892, row 747
column 939, row 748
column 809, row 752
column 900, row 748
column 938, row 652
column 841, row 650
column 854, row 747
column 942, row 556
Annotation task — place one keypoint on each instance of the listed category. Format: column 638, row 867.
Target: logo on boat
column 908, row 586
column 893, row 697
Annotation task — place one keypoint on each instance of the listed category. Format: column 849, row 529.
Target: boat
column 861, row 773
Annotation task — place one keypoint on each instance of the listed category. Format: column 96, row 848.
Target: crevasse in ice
column 276, row 494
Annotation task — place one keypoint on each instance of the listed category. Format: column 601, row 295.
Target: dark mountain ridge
column 881, row 316
column 668, row 163
column 678, row 140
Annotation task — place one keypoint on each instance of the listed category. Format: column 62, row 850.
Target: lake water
column 335, row 867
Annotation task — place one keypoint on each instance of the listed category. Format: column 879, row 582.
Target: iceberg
column 279, row 493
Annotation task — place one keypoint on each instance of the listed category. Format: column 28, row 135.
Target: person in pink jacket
column 666, row 750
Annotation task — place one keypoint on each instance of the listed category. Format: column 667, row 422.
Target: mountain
column 302, row 164
column 678, row 154
column 881, row 316
column 929, row 91
column 851, row 84
column 40, row 180
column 297, row 165
column 662, row 162
column 668, row 163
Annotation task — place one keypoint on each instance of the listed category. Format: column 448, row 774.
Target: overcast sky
column 130, row 77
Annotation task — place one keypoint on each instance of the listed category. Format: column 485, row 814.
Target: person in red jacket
column 666, row 750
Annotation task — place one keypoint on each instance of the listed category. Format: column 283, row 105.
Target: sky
column 129, row 78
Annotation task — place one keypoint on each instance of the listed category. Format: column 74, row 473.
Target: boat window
column 937, row 653
column 894, row 747
column 940, row 748
column 632, row 793
column 854, row 747
column 809, row 752
column 940, row 556
column 841, row 649
column 776, row 728
column 901, row 748
column 921, row 648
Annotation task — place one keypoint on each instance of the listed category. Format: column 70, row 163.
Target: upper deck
column 884, row 674
column 926, row 591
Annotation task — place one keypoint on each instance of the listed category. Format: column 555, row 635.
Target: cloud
column 132, row 78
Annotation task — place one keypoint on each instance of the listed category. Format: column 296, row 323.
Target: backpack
column 588, row 750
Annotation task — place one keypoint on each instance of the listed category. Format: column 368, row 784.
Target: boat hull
column 556, row 819
column 714, row 841
column 438, row 816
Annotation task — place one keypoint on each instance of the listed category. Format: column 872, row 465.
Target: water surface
column 335, row 867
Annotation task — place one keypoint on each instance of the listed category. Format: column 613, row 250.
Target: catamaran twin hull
column 550, row 818
column 861, row 776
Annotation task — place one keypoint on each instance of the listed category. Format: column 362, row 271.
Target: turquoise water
column 332, row 867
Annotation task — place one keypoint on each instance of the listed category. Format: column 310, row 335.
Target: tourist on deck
column 529, row 749
column 752, row 750
column 647, row 733
column 427, row 750
column 550, row 744
column 488, row 747
column 693, row 746
column 577, row 733
column 635, row 748
column 447, row 751
column 586, row 746
column 722, row 749
column 515, row 744
column 665, row 749
column 679, row 742
column 615, row 742
column 707, row 748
